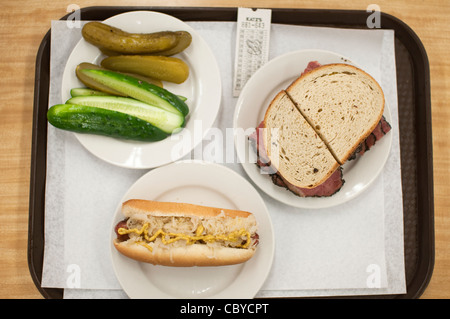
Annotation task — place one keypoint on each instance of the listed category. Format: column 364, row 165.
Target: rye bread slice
column 294, row 148
column 342, row 103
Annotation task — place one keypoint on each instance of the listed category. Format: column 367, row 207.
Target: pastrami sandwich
column 329, row 115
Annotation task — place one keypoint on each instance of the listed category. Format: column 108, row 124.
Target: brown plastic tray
column 413, row 85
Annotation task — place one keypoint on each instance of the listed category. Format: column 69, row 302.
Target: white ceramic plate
column 251, row 106
column 203, row 184
column 202, row 89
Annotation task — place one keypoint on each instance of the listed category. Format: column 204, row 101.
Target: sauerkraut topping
column 238, row 238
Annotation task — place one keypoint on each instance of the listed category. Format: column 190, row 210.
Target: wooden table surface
column 23, row 24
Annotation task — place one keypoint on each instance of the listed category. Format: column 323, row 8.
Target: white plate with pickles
column 202, row 90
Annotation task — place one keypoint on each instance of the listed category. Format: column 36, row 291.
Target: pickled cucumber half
column 166, row 121
column 99, row 121
column 163, row 68
column 100, row 87
column 139, row 90
column 90, row 83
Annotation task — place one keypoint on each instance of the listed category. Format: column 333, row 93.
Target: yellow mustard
column 173, row 237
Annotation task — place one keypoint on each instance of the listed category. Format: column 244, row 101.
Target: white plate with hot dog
column 198, row 183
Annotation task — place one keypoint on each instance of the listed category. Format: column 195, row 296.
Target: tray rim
column 425, row 207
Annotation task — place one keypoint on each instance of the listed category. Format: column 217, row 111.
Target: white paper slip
column 252, row 44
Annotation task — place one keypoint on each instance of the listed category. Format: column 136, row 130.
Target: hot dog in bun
column 183, row 235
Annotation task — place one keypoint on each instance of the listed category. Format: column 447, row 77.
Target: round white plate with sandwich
column 202, row 90
column 206, row 184
column 254, row 100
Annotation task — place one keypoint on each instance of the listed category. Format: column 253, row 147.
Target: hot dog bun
column 184, row 235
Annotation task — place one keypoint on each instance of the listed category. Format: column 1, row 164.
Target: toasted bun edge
column 188, row 256
column 156, row 208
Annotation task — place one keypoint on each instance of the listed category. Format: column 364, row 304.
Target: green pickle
column 140, row 90
column 163, row 68
column 91, row 83
column 114, row 39
column 99, row 121
column 103, row 88
column 184, row 40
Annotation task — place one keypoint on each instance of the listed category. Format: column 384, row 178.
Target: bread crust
column 156, row 208
column 188, row 256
